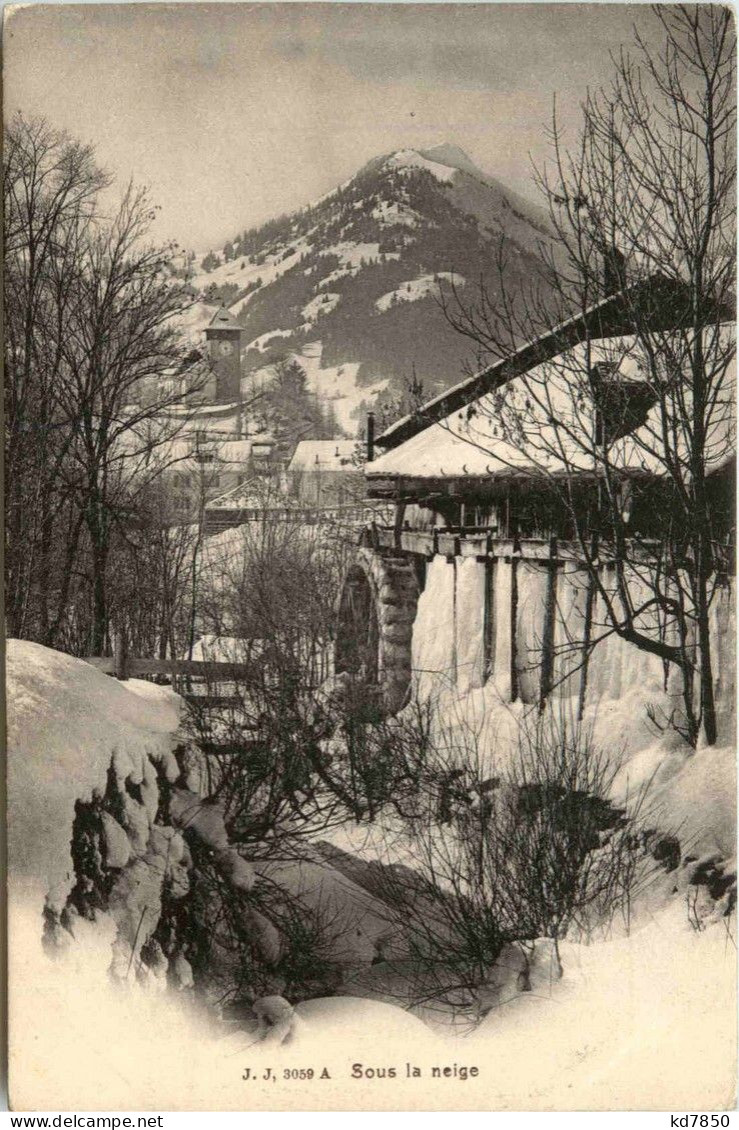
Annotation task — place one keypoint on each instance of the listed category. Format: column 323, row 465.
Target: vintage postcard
column 370, row 554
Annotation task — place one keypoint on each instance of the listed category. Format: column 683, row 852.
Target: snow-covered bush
column 503, row 861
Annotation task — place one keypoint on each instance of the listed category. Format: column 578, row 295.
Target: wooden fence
column 124, row 666
column 212, row 672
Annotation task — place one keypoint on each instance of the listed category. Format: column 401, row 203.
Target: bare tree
column 632, row 437
column 50, row 188
column 92, row 331
column 151, row 560
column 123, row 332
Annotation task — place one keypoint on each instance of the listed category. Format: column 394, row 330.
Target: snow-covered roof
column 223, row 319
column 324, row 455
column 183, row 450
column 661, row 302
column 537, row 425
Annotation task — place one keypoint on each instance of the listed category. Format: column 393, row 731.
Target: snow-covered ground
column 694, row 792
column 242, row 272
column 413, row 289
column 337, row 384
column 351, row 254
column 323, row 303
column 639, row 1020
column 392, row 212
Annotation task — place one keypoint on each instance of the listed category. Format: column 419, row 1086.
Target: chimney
column 614, row 276
column 370, row 436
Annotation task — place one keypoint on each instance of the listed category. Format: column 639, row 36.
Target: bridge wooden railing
column 483, row 542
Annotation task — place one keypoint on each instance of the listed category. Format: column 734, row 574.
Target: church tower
column 223, row 335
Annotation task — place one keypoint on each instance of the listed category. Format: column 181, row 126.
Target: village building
column 326, row 472
column 201, row 466
column 478, row 580
column 220, row 464
column 216, row 447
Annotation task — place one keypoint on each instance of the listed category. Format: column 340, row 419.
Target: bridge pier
column 376, row 611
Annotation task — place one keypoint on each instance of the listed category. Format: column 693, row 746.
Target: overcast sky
column 233, row 113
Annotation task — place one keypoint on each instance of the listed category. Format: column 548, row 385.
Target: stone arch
column 376, row 611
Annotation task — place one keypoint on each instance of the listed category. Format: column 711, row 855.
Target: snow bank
column 360, row 924
column 66, row 721
column 642, row 1022
column 469, row 628
column 432, row 646
column 637, row 1023
column 78, row 1041
column 641, row 1019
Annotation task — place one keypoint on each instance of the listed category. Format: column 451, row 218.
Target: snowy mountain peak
column 414, row 159
column 442, row 160
column 475, row 191
column 349, row 286
column 449, row 154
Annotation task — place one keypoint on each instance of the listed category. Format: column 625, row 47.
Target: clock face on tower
column 225, row 348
